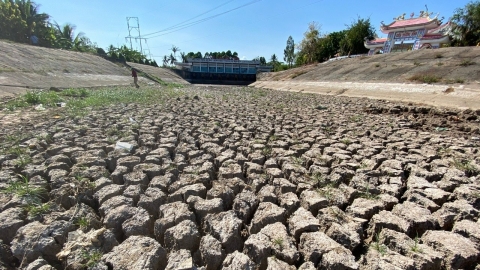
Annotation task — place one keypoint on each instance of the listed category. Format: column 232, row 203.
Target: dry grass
column 425, row 78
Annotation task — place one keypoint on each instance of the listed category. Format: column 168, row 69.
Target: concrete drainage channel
column 240, row 178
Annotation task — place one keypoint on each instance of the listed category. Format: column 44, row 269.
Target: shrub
column 101, row 51
column 425, row 78
column 32, row 98
column 466, row 63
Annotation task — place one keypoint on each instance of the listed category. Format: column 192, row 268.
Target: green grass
column 296, row 74
column 356, row 118
column 256, row 94
column 267, row 151
column 363, row 165
column 465, row 166
column 452, row 81
column 367, row 194
column 78, row 100
column 339, row 214
column 381, row 248
column 425, row 78
column 92, row 257
column 23, row 189
column 23, row 160
column 82, row 222
column 272, row 138
column 416, row 247
column 318, row 180
column 298, row 161
column 346, row 141
column 278, row 242
column 6, row 70
column 466, row 63
column 36, row 209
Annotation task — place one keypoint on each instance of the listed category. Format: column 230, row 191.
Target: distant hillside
column 447, row 65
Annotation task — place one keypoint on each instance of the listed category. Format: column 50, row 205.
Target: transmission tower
column 132, row 27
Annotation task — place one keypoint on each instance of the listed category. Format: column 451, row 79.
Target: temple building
column 415, row 33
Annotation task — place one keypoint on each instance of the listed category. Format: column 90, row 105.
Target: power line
column 178, row 28
column 130, row 28
column 216, row 33
column 179, row 24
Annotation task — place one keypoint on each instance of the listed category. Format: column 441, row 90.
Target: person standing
column 135, row 78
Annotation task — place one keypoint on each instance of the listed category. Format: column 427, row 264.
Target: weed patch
column 78, row 100
column 91, row 257
column 466, row 63
column 24, row 189
column 466, row 166
column 381, row 248
column 296, row 74
column 425, row 78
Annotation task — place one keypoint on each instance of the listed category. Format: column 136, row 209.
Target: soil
column 222, row 177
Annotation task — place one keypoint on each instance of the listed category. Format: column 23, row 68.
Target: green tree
column 466, row 25
column 329, row 45
column 353, row 41
column 66, row 38
column 12, row 26
column 165, row 61
column 175, row 49
column 184, row 57
column 309, row 45
column 172, row 59
column 289, row 52
column 274, row 62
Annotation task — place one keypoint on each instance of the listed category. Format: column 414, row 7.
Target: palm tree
column 184, row 57
column 65, row 36
column 172, row 59
column 165, row 60
column 29, row 13
column 274, row 59
column 175, row 49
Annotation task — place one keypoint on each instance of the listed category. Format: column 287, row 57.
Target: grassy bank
column 75, row 100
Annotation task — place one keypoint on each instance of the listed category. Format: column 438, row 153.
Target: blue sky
column 259, row 28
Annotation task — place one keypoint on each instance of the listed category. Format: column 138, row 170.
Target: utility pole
column 130, row 28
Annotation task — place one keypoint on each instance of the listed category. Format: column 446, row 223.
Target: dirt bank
column 455, row 73
column 24, row 67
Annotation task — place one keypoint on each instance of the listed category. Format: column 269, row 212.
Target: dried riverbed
column 239, row 178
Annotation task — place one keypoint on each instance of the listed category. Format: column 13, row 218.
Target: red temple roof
column 409, row 22
column 376, row 41
column 427, row 22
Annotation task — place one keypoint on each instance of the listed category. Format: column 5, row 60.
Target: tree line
column 317, row 47
column 22, row 22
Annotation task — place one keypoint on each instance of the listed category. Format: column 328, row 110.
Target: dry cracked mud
column 239, row 178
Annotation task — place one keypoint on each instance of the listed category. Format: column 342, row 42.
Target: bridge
column 220, row 71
